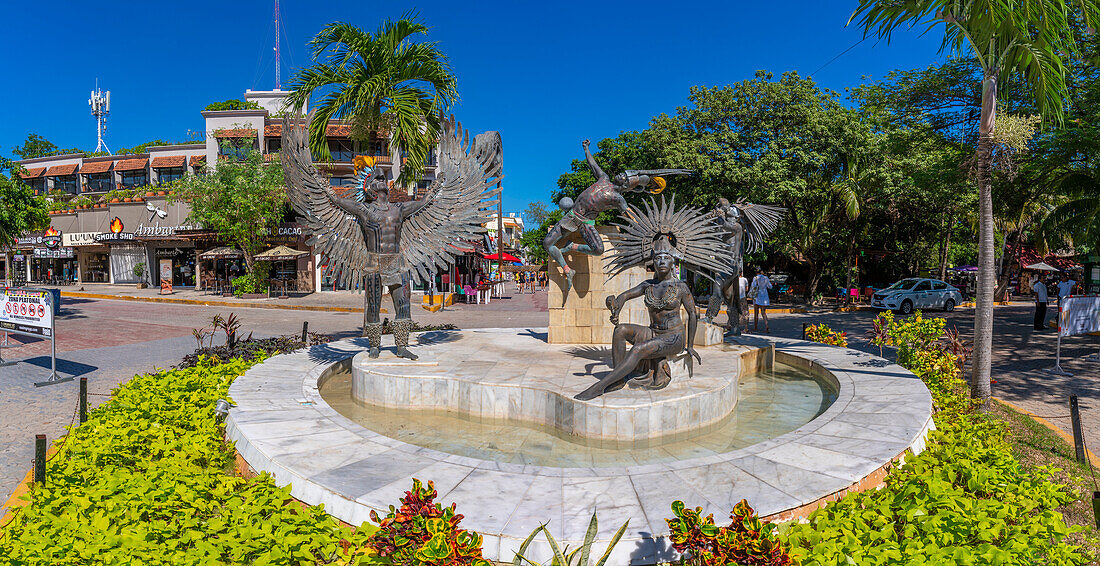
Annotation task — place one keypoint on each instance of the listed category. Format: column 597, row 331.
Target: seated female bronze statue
column 663, row 339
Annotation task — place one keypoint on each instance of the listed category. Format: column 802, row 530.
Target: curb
column 80, row 295
column 1093, row 460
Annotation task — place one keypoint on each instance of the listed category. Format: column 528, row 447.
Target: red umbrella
column 507, row 257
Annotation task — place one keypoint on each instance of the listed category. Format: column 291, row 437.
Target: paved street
column 110, row 340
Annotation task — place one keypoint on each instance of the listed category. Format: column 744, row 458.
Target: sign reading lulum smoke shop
column 116, row 234
column 70, row 239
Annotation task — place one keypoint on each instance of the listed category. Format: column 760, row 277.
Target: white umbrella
column 1042, row 266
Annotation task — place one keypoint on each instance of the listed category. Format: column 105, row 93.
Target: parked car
column 907, row 295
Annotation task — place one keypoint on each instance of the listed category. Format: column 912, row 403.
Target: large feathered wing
column 459, row 202
column 333, row 232
column 698, row 241
column 759, row 221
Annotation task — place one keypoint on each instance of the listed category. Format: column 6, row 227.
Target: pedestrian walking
column 758, row 292
column 1065, row 288
column 743, row 293
column 1040, row 290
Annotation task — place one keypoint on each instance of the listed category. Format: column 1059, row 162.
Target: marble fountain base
column 282, row 425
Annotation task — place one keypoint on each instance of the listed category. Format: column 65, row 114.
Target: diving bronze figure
column 380, row 244
column 605, row 194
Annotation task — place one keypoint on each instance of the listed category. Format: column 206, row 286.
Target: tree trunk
column 815, row 278
column 983, row 310
column 1004, row 265
column 945, row 245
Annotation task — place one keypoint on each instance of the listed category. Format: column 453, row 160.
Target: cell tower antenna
column 278, row 82
column 101, row 108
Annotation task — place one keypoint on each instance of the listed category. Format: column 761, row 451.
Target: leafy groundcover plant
column 964, row 500
column 148, row 480
column 825, row 335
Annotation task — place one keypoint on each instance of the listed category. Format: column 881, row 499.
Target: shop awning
column 90, row 167
column 33, row 173
column 131, row 164
column 507, row 257
column 280, row 253
column 224, row 252
column 169, row 161
column 1041, row 266
column 62, row 170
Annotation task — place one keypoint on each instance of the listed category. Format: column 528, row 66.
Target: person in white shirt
column 758, row 292
column 1065, row 287
column 1040, row 290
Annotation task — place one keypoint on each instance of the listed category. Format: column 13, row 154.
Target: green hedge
column 964, row 500
column 148, row 480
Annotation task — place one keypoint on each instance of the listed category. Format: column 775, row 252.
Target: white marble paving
column 282, row 425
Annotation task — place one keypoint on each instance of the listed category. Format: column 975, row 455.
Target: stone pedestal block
column 707, row 334
column 584, row 317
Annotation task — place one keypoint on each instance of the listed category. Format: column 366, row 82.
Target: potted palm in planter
column 139, row 271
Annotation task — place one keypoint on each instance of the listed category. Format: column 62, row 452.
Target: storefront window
column 99, row 182
column 134, row 179
column 66, row 183
column 94, row 266
column 168, row 174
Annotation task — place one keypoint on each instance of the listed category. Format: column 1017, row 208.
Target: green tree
column 535, row 213
column 21, row 211
column 1029, row 38
column 383, row 80
column 243, row 201
column 782, row 142
column 38, row 146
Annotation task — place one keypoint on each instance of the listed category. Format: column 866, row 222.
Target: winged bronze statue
column 659, row 235
column 370, row 240
column 744, row 226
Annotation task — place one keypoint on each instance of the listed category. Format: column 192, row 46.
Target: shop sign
column 170, row 252
column 116, row 234
column 158, row 230
column 51, row 239
column 26, row 312
column 56, row 253
column 79, row 238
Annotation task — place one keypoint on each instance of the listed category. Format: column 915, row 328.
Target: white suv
column 908, row 295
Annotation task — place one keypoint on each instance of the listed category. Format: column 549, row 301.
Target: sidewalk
column 326, row 301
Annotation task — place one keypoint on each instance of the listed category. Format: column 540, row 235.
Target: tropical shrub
column 147, row 480
column 964, row 500
column 825, row 335
column 424, row 533
column 747, row 540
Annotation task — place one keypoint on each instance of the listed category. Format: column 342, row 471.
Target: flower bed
column 147, row 479
column 964, row 500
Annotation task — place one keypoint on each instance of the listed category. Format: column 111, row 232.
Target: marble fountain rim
column 283, row 426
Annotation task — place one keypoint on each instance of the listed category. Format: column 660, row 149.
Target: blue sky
column 546, row 75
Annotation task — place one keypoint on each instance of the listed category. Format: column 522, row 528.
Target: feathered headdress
column 685, row 231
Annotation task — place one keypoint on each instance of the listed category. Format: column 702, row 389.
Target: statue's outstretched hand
column 610, row 302
column 695, row 354
column 586, row 143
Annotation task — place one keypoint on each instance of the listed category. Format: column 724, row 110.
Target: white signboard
column 78, row 239
column 1079, row 315
column 26, row 312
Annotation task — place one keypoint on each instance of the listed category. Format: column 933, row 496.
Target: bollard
column 1096, row 507
column 83, row 400
column 305, row 333
column 1078, row 439
column 803, row 330
column 39, row 458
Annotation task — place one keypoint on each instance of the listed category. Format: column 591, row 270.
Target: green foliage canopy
column 232, row 104
column 21, row 211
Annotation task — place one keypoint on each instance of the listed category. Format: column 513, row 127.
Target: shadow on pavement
column 75, row 369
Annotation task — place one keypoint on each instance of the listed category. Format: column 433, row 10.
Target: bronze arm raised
column 600, row 175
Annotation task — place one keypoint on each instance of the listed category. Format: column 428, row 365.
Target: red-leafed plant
column 747, row 541
column 423, row 533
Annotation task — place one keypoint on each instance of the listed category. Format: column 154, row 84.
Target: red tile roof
column 131, row 164
column 169, row 161
column 197, row 160
column 96, row 166
column 61, row 170
column 335, row 131
column 332, row 131
column 273, row 130
column 32, row 173
column 235, row 133
column 1027, row 255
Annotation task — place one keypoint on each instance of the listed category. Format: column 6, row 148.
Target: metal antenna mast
column 101, row 108
column 278, row 83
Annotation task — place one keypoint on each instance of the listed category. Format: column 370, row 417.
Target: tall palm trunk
column 945, row 245
column 983, row 311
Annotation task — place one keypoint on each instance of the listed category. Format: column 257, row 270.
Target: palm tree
column 380, row 80
column 1028, row 38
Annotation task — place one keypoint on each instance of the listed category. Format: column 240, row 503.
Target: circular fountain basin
column 517, row 376
column 282, row 424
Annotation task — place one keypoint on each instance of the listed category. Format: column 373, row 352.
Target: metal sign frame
column 28, row 330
